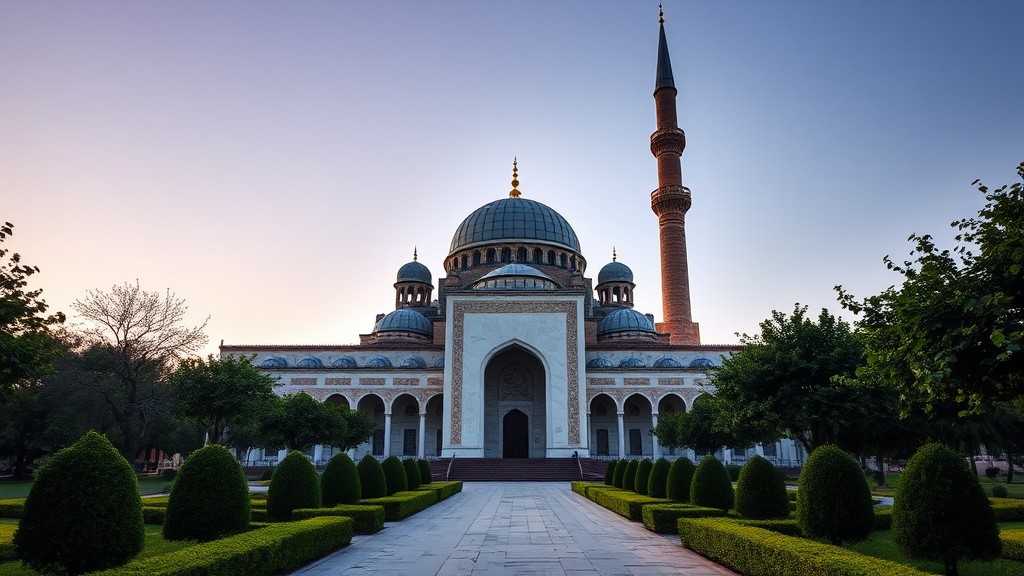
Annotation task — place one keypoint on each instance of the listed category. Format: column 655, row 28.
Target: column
column 281, row 454
column 622, row 436
column 318, row 454
column 421, row 438
column 655, row 449
column 387, row 434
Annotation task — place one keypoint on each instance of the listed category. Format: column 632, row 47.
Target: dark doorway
column 516, row 435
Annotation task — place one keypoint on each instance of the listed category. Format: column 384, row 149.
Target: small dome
column 632, row 362
column 667, row 362
column 414, row 272
column 514, row 219
column 701, row 363
column 345, row 362
column 599, row 362
column 413, row 362
column 310, row 362
column 615, row 272
column 439, row 363
column 625, row 320
column 274, row 362
column 515, row 277
column 378, row 362
column 405, row 320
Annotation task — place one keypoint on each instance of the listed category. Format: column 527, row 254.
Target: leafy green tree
column 215, row 391
column 833, row 498
column 789, row 378
column 299, row 422
column 27, row 344
column 705, row 429
column 940, row 511
column 951, row 332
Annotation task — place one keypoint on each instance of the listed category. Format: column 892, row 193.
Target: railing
column 580, row 464
column 449, row 472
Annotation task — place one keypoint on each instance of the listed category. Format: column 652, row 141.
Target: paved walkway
column 514, row 528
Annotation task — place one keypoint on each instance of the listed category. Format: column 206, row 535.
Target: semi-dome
column 274, row 362
column 625, row 320
column 405, row 320
column 415, row 272
column 599, row 362
column 345, row 362
column 667, row 362
column 515, row 277
column 413, row 362
column 310, row 362
column 615, row 272
column 378, row 362
column 514, row 219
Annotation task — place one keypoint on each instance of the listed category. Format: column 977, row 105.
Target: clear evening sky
column 275, row 163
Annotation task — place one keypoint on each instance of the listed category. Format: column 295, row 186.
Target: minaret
column 670, row 202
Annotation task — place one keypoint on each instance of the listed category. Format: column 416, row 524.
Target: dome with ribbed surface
column 625, row 320
column 415, row 272
column 667, row 362
column 516, row 277
column 345, row 362
column 514, row 219
column 405, row 320
column 615, row 272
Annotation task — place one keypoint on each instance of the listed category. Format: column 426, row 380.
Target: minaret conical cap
column 664, row 76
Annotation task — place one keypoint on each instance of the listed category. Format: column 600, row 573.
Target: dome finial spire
column 614, row 255
column 661, row 14
column 514, row 192
column 415, row 255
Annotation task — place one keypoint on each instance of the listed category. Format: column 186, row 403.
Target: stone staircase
column 517, row 469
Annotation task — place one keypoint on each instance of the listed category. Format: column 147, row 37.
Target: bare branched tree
column 134, row 339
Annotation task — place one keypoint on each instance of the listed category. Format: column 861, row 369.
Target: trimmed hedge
column 664, row 518
column 269, row 550
column 680, row 476
column 643, row 476
column 403, row 504
column 425, row 476
column 629, row 476
column 12, row 508
column 759, row 552
column 412, row 473
column 371, row 477
column 1013, row 544
column 209, row 498
column 368, row 519
column 445, row 489
column 1006, row 509
column 624, row 502
column 833, row 499
column 711, row 485
column 339, row 483
column 658, row 482
column 789, row 527
column 295, row 485
column 761, row 491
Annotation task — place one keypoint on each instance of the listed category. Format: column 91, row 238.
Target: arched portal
column 515, row 435
column 604, row 437
column 515, row 380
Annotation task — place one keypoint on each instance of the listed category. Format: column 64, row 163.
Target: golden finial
column 514, row 193
column 614, row 256
column 661, row 14
column 415, row 256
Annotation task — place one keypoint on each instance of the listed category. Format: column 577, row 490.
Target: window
column 563, row 261
column 635, row 448
column 410, row 409
column 739, row 453
column 538, row 256
column 521, row 255
column 476, row 258
column 551, row 257
column 769, row 450
column 409, row 442
column 602, row 442
column 464, row 260
column 378, row 442
column 490, row 255
column 506, row 255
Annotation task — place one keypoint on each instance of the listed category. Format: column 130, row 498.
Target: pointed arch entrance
column 515, row 405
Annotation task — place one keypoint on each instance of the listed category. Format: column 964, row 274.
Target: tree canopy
column 298, row 422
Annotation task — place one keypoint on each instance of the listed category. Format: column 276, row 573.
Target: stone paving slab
column 514, row 529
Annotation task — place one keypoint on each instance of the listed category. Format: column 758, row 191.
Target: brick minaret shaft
column 670, row 202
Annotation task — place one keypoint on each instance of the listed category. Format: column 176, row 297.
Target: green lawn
column 19, row 489
column 155, row 545
column 880, row 545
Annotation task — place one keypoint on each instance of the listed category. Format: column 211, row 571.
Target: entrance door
column 516, row 435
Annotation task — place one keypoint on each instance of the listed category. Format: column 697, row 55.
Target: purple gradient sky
column 274, row 163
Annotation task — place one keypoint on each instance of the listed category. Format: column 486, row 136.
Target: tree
column 789, row 378
column 298, row 422
column 952, row 333
column 704, row 429
column 940, row 511
column 133, row 339
column 27, row 345
column 216, row 390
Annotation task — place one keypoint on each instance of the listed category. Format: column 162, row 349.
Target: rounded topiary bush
column 209, row 498
column 999, row 491
column 643, row 476
column 371, row 476
column 711, row 486
column 412, row 473
column 680, row 476
column 833, row 499
column 83, row 512
column 620, row 473
column 267, row 474
column 761, row 491
column 425, row 477
column 609, row 473
column 658, row 481
column 294, row 484
column 339, row 484
column 394, row 472
column 940, row 511
column 629, row 477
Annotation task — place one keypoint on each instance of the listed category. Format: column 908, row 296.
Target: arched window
column 551, row 257
column 490, row 255
column 476, row 258
column 464, row 259
column 506, row 255
column 521, row 255
column 562, row 260
column 538, row 256
column 572, row 262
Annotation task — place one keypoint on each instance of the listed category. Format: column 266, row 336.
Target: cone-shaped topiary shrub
column 680, row 476
column 412, row 473
column 294, row 485
column 833, row 499
column 394, row 472
column 83, row 512
column 371, row 477
column 425, row 477
column 940, row 511
column 339, row 484
column 711, row 486
column 620, row 473
column 658, row 481
column 643, row 476
column 267, row 474
column 761, row 491
column 629, row 477
column 609, row 473
column 209, row 497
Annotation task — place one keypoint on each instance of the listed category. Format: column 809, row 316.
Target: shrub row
column 664, row 518
column 444, row 489
column 403, row 504
column 787, row 526
column 756, row 552
column 1013, row 544
column 368, row 519
column 270, row 550
column 1008, row 509
column 12, row 508
column 7, row 551
column 622, row 502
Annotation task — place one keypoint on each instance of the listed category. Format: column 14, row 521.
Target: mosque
column 519, row 354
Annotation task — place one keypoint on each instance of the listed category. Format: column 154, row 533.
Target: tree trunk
column 974, row 466
column 880, row 463
column 1009, row 467
column 951, row 568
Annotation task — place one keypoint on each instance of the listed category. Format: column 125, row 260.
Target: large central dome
column 511, row 219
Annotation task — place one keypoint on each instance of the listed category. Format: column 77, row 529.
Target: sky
column 274, row 163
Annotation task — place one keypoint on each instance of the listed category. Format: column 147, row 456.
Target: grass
column 881, row 545
column 154, row 546
column 20, row 488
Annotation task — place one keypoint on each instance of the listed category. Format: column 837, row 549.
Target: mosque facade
column 518, row 353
